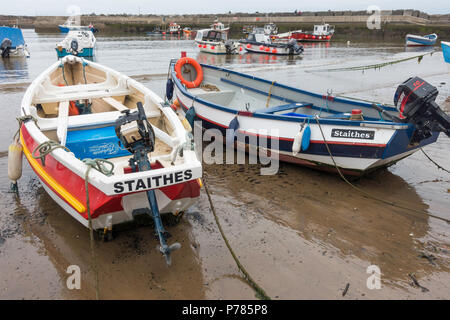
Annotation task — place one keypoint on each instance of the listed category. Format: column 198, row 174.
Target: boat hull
column 84, row 53
column 68, row 190
column 389, row 142
column 413, row 40
column 66, row 29
column 446, row 51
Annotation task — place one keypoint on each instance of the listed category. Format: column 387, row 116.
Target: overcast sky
column 52, row 7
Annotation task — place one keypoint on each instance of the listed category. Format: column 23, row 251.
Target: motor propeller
column 136, row 135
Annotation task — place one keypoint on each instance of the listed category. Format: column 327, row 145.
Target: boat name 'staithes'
column 152, row 182
column 355, row 134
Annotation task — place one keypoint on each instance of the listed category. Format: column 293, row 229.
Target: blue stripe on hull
column 337, row 150
column 86, row 53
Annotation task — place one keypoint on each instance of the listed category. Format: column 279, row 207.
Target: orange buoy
column 189, row 84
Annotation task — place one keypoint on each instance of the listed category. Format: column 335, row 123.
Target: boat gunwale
column 388, row 124
column 97, row 179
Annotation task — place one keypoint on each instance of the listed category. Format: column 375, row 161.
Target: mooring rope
column 97, row 164
column 365, row 192
column 436, row 164
column 259, row 291
column 374, row 66
column 46, row 148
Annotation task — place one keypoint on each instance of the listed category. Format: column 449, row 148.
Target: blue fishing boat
column 77, row 43
column 12, row 43
column 446, row 50
column 415, row 40
column 306, row 128
column 73, row 24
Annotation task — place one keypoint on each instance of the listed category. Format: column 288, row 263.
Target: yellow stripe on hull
column 60, row 190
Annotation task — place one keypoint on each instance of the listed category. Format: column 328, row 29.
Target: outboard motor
column 6, row 47
column 294, row 47
column 230, row 47
column 136, row 134
column 74, row 46
column 415, row 101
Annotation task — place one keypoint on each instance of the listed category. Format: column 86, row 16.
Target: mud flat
column 301, row 234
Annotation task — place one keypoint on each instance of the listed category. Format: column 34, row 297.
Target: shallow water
column 300, row 233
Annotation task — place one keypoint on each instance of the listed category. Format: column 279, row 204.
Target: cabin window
column 251, row 37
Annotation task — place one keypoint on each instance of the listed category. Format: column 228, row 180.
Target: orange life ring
column 186, row 60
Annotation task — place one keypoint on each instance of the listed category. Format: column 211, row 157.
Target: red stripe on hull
column 99, row 202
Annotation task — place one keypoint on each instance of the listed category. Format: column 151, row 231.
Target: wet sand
column 301, row 234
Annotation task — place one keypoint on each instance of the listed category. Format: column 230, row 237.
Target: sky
column 60, row 7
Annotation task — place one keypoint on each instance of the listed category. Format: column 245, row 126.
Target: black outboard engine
column 294, row 47
column 415, row 101
column 230, row 47
column 6, row 47
column 74, row 46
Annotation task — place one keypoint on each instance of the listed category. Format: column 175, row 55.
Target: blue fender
column 169, row 89
column 306, row 138
column 231, row 133
column 190, row 116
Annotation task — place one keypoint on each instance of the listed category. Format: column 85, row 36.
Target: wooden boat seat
column 115, row 104
column 222, row 97
column 284, row 107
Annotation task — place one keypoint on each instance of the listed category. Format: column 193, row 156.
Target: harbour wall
column 395, row 24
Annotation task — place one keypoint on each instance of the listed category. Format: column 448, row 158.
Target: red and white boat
column 322, row 33
column 78, row 105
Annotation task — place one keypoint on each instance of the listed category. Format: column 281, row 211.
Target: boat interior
column 77, row 105
column 243, row 93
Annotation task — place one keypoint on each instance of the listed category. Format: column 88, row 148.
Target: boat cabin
column 211, row 35
column 323, row 29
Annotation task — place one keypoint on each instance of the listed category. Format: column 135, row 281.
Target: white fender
column 297, row 142
column 15, row 161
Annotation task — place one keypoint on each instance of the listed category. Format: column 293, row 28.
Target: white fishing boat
column 216, row 42
column 174, row 28
column 316, row 130
column 12, row 43
column 145, row 163
column 77, row 43
column 219, row 26
column 259, row 42
column 416, row 40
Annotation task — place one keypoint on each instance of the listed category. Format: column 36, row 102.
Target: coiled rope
column 99, row 165
column 46, row 148
column 365, row 192
column 261, row 294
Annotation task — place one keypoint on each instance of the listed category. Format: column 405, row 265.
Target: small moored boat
column 415, row 40
column 260, row 42
column 144, row 158
column 322, row 33
column 12, row 43
column 361, row 137
column 77, row 43
column 216, row 42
